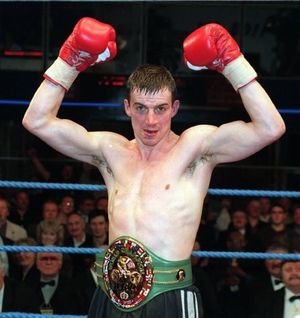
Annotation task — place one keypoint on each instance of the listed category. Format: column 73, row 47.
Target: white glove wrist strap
column 61, row 73
column 239, row 72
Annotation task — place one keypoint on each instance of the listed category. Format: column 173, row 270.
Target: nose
column 150, row 117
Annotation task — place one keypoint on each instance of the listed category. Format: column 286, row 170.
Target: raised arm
column 212, row 47
column 91, row 42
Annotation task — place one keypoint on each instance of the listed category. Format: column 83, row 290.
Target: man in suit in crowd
column 9, row 229
column 84, row 286
column 15, row 296
column 53, row 290
column 266, row 285
column 77, row 237
column 285, row 302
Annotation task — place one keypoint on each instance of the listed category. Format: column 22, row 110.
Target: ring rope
column 87, row 250
column 29, row 315
column 98, row 187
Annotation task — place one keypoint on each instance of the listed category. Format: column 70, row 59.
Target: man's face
column 151, row 115
column 4, row 211
column 87, row 206
column 236, row 241
column 49, row 264
column 22, row 200
column 254, row 208
column 50, row 211
column 75, row 225
column 25, row 259
column 273, row 266
column 102, row 204
column 67, row 205
column 98, row 226
column 278, row 215
column 239, row 220
column 291, row 275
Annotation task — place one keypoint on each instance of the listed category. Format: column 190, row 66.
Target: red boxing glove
column 91, row 42
column 212, row 47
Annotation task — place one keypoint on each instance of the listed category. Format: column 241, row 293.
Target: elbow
column 277, row 131
column 31, row 125
column 27, row 123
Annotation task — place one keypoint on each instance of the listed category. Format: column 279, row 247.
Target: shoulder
column 201, row 131
column 196, row 141
column 15, row 228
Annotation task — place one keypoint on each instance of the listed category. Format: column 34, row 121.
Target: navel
column 116, row 192
column 167, row 187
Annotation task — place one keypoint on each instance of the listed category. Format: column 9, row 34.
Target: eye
column 160, row 109
column 141, row 109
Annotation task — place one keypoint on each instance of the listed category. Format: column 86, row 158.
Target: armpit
column 102, row 164
column 199, row 161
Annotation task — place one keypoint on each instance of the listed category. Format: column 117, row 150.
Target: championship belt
column 127, row 273
column 131, row 275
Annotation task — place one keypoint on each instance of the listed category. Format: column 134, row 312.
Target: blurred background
column 31, row 34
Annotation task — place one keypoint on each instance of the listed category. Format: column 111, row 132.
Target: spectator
column 9, row 229
column 50, row 210
column 50, row 232
column 102, row 202
column 66, row 207
column 98, row 221
column 284, row 302
column 86, row 206
column 294, row 228
column 235, row 279
column 265, row 286
column 21, row 212
column 276, row 231
column 87, row 280
column 66, row 173
column 16, row 297
column 25, row 269
column 239, row 222
column 265, row 212
column 77, row 237
column 205, row 284
column 53, row 290
column 223, row 219
column 254, row 212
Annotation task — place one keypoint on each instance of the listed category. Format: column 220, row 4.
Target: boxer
column 156, row 182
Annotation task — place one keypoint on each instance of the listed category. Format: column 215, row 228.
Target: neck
column 99, row 240
column 294, row 290
column 278, row 227
column 48, row 277
column 21, row 211
column 155, row 151
column 79, row 237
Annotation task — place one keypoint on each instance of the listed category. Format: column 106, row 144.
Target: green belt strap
column 167, row 275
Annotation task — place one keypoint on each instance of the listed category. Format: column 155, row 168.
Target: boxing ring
column 92, row 187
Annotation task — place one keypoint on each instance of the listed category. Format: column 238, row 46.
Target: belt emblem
column 127, row 273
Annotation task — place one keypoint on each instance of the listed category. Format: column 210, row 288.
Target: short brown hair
column 151, row 79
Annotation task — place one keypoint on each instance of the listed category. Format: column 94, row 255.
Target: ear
column 175, row 107
column 127, row 107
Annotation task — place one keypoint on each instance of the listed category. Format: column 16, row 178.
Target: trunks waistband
column 131, row 274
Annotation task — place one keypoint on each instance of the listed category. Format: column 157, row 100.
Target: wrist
column 61, row 73
column 239, row 72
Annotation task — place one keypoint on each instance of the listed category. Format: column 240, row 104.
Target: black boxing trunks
column 131, row 275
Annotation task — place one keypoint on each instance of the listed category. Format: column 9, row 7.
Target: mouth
column 150, row 133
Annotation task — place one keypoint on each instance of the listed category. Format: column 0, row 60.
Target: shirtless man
column 156, row 182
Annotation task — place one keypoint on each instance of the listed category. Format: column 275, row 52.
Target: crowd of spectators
column 230, row 287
